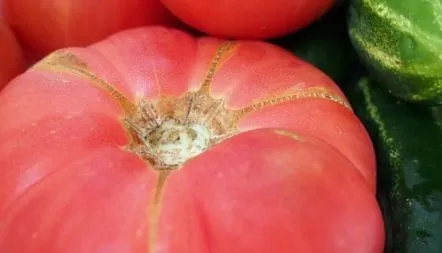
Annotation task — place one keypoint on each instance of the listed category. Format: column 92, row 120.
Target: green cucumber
column 325, row 44
column 408, row 142
column 400, row 42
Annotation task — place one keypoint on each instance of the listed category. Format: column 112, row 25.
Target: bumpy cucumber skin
column 400, row 42
column 408, row 143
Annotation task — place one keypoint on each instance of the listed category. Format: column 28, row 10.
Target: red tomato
column 155, row 141
column 11, row 57
column 46, row 25
column 249, row 19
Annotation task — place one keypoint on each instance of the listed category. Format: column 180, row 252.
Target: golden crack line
column 224, row 51
column 155, row 208
column 227, row 48
column 315, row 92
column 66, row 62
column 292, row 135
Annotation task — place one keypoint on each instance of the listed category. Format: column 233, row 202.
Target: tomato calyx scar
column 166, row 142
column 171, row 130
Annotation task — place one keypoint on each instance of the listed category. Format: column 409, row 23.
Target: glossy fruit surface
column 249, row 19
column 11, row 57
column 47, row 25
column 408, row 140
column 400, row 41
column 154, row 141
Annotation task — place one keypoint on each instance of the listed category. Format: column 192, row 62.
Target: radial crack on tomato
column 155, row 209
column 222, row 54
column 292, row 135
column 66, row 62
column 314, row 92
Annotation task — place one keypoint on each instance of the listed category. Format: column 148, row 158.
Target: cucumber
column 325, row 44
column 400, row 42
column 408, row 142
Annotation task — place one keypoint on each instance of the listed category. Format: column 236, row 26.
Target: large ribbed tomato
column 46, row 25
column 256, row 19
column 153, row 141
column 11, row 57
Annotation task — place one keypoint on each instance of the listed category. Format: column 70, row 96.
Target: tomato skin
column 11, row 55
column 45, row 25
column 283, row 184
column 248, row 19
